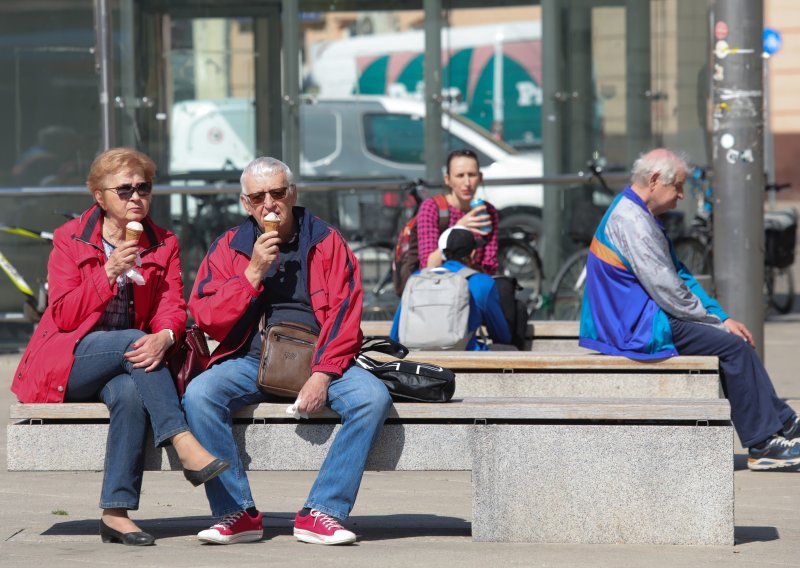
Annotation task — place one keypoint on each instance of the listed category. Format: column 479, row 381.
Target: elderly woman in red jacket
column 116, row 308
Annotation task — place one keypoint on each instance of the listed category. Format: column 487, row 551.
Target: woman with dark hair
column 116, row 307
column 462, row 177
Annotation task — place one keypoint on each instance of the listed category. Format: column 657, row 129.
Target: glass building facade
column 356, row 96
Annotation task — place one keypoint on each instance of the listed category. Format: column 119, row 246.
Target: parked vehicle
column 356, row 138
column 491, row 74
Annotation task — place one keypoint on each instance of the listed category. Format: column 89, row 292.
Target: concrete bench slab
column 523, row 374
column 544, row 469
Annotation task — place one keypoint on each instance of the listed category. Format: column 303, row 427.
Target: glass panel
column 212, row 125
column 49, row 113
column 48, row 103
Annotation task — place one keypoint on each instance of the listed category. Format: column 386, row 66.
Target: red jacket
column 78, row 296
column 224, row 303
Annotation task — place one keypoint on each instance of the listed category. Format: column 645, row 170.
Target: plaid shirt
column 485, row 258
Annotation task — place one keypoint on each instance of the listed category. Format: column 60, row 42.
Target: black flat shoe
column 107, row 534
column 208, row 473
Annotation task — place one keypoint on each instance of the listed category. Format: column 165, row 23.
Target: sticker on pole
column 720, row 30
column 772, row 41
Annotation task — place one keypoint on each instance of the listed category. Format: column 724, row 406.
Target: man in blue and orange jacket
column 641, row 301
column 282, row 264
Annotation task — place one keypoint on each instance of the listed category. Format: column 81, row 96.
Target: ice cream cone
column 133, row 231
column 271, row 223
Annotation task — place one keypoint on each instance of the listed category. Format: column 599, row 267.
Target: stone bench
column 560, row 470
column 524, row 374
column 545, row 336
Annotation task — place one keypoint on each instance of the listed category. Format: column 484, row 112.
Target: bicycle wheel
column 779, row 289
column 693, row 254
column 520, row 260
column 375, row 260
column 566, row 294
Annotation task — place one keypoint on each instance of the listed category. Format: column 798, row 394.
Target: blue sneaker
column 775, row 452
column 791, row 429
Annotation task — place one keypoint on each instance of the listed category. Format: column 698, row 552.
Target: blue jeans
column 756, row 411
column 358, row 397
column 135, row 399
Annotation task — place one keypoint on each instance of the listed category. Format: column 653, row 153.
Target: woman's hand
column 476, row 220
column 148, row 351
column 121, row 260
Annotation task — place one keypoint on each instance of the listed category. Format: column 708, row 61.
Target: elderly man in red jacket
column 304, row 273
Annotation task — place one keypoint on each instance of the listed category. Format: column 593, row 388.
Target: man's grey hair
column 267, row 167
column 660, row 161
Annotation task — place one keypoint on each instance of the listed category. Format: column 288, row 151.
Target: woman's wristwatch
column 171, row 335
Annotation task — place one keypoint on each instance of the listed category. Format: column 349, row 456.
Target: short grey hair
column 267, row 167
column 660, row 161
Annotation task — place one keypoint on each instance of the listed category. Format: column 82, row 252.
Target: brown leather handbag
column 286, row 353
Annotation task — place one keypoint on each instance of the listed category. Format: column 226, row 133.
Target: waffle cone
column 131, row 235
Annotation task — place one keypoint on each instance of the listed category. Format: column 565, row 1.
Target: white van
column 355, row 138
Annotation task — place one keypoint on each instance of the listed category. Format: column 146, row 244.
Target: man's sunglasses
column 125, row 191
column 259, row 197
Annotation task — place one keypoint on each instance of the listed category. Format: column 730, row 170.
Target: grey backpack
column 435, row 309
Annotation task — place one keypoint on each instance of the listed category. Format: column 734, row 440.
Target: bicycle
column 35, row 301
column 517, row 256
column 696, row 251
column 566, row 292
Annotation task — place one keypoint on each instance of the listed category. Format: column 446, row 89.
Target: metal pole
column 738, row 156
column 104, row 67
column 639, row 89
column 553, row 128
column 434, row 158
column 769, row 145
column 291, row 84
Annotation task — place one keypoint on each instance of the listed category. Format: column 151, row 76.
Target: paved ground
column 402, row 518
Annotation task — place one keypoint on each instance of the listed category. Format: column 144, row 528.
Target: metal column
column 105, row 70
column 552, row 133
column 738, row 156
column 290, row 18
column 433, row 90
column 638, row 83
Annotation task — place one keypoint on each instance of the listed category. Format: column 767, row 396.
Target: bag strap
column 466, row 271
column 444, row 211
column 381, row 344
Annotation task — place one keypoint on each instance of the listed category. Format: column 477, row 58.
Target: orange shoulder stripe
column 605, row 254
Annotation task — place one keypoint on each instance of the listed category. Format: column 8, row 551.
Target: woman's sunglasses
column 125, row 191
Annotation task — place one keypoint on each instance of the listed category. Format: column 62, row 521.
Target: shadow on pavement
column 743, row 535
column 370, row 527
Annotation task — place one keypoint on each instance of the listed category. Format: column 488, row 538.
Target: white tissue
column 134, row 274
column 294, row 413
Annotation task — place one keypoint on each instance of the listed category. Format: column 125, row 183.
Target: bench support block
column 604, row 484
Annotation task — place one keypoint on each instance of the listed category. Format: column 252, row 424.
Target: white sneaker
column 233, row 528
column 319, row 528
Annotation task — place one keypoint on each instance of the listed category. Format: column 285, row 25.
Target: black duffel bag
column 407, row 381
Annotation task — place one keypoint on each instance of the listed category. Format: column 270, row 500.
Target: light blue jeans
column 135, row 400
column 358, row 397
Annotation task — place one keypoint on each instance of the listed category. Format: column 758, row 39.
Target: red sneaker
column 319, row 528
column 233, row 528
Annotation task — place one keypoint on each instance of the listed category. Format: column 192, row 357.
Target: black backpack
column 514, row 309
